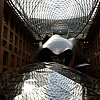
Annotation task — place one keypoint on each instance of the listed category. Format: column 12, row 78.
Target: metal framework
column 51, row 80
column 48, row 81
column 64, row 17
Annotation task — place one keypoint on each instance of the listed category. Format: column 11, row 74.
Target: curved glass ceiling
column 48, row 81
column 64, row 17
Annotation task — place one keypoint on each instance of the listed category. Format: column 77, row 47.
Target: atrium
column 29, row 26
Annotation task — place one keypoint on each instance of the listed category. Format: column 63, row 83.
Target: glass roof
column 47, row 17
column 48, row 81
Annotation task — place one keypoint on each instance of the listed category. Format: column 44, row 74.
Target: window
column 10, row 47
column 5, row 32
column 12, row 24
column 16, row 40
column 6, row 19
column 15, row 49
column 4, row 43
column 17, row 28
column 11, row 37
column 5, row 58
column 12, row 60
column 20, row 44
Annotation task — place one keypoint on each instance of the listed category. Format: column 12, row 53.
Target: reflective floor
column 50, row 81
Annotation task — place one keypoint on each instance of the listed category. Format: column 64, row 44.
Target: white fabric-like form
column 58, row 44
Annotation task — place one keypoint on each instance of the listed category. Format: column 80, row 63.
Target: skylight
column 44, row 16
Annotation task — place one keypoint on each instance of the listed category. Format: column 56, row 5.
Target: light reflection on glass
column 46, row 84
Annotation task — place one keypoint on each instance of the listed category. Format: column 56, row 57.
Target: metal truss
column 48, row 81
column 64, row 17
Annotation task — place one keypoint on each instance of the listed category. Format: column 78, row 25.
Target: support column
column 1, row 16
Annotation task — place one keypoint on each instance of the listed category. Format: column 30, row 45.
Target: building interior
column 25, row 25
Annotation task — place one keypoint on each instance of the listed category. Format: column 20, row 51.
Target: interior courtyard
column 25, row 26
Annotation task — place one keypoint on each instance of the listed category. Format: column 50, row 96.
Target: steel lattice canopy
column 68, row 18
column 48, row 81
